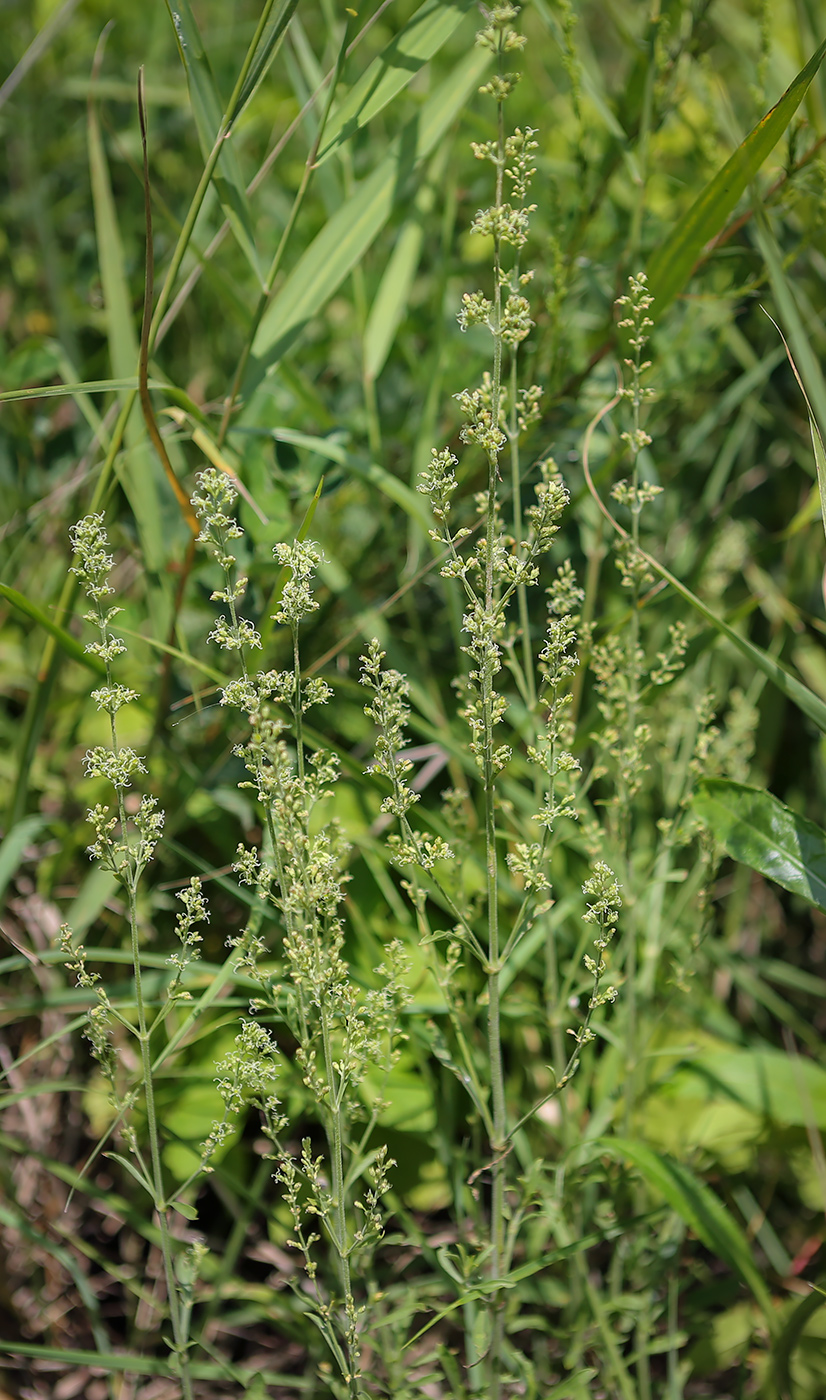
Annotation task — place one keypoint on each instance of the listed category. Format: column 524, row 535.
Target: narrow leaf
column 14, row 844
column 809, row 376
column 355, row 226
column 269, row 42
column 756, row 829
column 65, row 640
column 207, row 111
column 93, row 386
column 423, row 35
column 672, row 263
column 702, row 1211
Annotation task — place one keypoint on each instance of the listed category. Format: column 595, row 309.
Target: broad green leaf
column 208, row 113
column 700, row 1209
column 351, row 231
column 14, row 844
column 785, row 1089
column 64, row 639
column 396, row 67
column 758, row 830
column 672, row 263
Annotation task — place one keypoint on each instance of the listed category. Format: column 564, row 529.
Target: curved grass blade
column 756, row 829
column 396, row 67
column 69, row 644
column 809, row 376
column 355, row 226
column 701, row 1211
column 805, row 699
column 791, row 1333
column 672, row 263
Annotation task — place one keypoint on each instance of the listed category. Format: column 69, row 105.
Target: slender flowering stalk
column 126, row 853
column 340, row 1030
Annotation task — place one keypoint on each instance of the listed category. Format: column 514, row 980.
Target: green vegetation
column 411, row 443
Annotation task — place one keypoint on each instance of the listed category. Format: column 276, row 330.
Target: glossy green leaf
column 758, row 830
column 396, row 67
column 699, row 1208
column 350, row 232
column 672, row 263
column 64, row 639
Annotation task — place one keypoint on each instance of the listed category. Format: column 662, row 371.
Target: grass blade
column 701, row 1211
column 809, row 374
column 265, row 46
column 209, row 117
column 394, row 289
column 138, row 475
column 805, row 699
column 672, row 263
column 390, row 73
column 13, row 845
column 64, row 639
column 351, row 231
column 756, row 829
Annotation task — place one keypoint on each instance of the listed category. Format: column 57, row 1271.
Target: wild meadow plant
column 560, row 873
column 336, row 1197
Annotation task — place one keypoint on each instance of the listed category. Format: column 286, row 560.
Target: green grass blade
column 138, row 471
column 394, row 289
column 13, row 845
column 805, row 699
column 390, row 73
column 790, row 1334
column 267, row 44
column 69, row 644
column 701, row 1211
column 351, row 231
column 806, row 367
column 92, row 386
column 122, row 1362
column 208, row 114
column 756, row 829
column 672, row 263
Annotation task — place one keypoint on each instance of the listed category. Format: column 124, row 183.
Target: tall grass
column 411, row 1031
